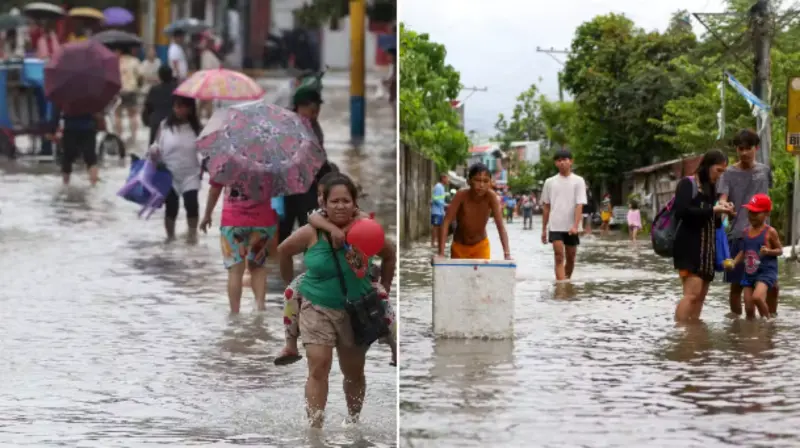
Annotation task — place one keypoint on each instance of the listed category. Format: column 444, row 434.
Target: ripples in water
column 598, row 361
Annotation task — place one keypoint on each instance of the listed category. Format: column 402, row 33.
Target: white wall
column 282, row 14
column 336, row 47
column 335, row 44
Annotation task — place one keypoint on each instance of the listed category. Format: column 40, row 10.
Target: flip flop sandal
column 286, row 359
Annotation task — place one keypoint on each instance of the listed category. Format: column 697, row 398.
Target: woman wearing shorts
column 246, row 228
column 694, row 249
column 324, row 323
column 129, row 97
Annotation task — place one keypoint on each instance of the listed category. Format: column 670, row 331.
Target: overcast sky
column 493, row 42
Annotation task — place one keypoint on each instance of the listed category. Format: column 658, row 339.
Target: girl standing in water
column 695, row 241
column 761, row 247
column 605, row 215
column 634, row 220
column 175, row 147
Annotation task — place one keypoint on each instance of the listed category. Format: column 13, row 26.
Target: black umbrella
column 117, row 37
column 43, row 10
column 188, row 26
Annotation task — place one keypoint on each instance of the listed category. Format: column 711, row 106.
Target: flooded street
column 112, row 338
column 600, row 362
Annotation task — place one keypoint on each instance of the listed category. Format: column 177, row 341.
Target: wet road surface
column 111, row 338
column 599, row 363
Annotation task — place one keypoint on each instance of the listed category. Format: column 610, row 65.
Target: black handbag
column 366, row 313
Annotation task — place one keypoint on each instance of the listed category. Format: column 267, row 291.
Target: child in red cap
column 761, row 247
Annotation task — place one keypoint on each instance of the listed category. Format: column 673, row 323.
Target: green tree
column 558, row 118
column 428, row 122
column 523, row 179
column 621, row 77
column 525, row 121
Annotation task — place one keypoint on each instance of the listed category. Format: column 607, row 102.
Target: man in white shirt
column 563, row 198
column 176, row 56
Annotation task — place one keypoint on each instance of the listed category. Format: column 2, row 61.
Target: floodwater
column 599, row 362
column 111, row 338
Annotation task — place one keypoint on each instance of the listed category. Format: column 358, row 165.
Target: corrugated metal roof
column 657, row 166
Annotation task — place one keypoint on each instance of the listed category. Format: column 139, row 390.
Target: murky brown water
column 600, row 363
column 110, row 338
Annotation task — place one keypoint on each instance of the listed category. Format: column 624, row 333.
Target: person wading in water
column 471, row 209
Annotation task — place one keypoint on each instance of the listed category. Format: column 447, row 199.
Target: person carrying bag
column 366, row 313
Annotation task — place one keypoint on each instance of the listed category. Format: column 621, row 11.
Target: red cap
column 759, row 203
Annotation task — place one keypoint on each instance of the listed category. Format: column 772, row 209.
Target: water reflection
column 601, row 356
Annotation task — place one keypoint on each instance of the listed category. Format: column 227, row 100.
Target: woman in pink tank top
column 245, row 231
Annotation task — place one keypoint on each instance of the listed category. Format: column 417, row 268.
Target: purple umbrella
column 116, row 16
column 82, row 78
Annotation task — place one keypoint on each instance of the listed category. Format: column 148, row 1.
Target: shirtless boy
column 471, row 209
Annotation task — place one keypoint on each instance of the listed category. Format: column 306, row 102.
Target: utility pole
column 552, row 52
column 760, row 29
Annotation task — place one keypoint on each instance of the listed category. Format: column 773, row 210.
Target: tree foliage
column 524, row 178
column 640, row 97
column 428, row 122
column 621, row 78
column 525, row 122
column 535, row 118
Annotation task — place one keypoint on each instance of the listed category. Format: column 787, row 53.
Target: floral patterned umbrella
column 220, row 84
column 256, row 144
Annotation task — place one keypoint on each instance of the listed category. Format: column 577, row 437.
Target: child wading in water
column 293, row 300
column 761, row 246
column 470, row 210
column 605, row 215
column 634, row 220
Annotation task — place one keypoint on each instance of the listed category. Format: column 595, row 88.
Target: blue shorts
column 736, row 275
column 437, row 220
column 749, row 281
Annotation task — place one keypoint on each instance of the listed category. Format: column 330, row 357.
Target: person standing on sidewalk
column 437, row 207
column 737, row 186
column 563, row 198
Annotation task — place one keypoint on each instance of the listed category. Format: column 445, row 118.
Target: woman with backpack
column 694, row 248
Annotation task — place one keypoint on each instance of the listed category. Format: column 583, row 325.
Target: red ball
column 367, row 236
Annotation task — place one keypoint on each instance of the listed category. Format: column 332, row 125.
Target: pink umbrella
column 256, row 144
column 220, row 84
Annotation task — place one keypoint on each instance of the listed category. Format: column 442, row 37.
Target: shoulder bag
column 366, row 313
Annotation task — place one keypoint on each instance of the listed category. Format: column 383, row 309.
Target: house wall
column 334, row 44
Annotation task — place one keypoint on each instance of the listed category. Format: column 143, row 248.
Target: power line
column 472, row 91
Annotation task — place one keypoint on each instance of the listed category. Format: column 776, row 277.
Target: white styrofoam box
column 474, row 298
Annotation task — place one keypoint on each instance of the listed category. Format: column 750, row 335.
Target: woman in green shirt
column 324, row 323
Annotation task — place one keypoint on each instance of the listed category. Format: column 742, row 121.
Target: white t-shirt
column 563, row 193
column 176, row 54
